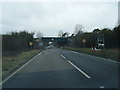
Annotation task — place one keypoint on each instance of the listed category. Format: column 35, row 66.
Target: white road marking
column 79, row 70
column 55, row 51
column 97, row 57
column 40, row 53
column 62, row 56
column 107, row 59
column 20, row 68
column 74, row 52
column 102, row 87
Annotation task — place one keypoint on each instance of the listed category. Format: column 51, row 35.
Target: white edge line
column 79, row 70
column 62, row 56
column 74, row 52
column 19, row 69
column 108, row 60
column 98, row 57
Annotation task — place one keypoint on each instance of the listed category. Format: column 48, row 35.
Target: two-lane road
column 57, row 68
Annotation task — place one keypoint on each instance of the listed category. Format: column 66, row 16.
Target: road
column 57, row 68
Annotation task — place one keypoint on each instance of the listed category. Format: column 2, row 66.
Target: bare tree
column 78, row 29
column 39, row 35
column 60, row 33
column 66, row 34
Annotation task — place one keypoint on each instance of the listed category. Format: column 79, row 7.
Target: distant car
column 48, row 47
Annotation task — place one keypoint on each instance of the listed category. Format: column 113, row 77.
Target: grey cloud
column 49, row 18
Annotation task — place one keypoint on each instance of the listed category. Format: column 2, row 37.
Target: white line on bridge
column 79, row 70
column 20, row 68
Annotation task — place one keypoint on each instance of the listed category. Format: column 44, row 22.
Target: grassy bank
column 108, row 54
column 10, row 63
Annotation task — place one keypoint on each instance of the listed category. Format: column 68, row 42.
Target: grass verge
column 11, row 63
column 108, row 54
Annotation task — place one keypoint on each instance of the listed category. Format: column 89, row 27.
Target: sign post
column 30, row 45
column 84, row 41
column 100, row 41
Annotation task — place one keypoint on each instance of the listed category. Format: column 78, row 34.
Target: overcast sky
column 51, row 17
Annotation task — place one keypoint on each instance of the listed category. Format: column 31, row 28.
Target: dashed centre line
column 77, row 68
column 80, row 70
column 62, row 56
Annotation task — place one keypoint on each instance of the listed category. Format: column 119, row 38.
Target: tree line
column 16, row 41
column 19, row 41
column 111, row 37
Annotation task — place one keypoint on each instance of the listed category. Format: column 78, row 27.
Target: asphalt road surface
column 57, row 68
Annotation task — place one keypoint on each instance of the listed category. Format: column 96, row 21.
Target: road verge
column 10, row 63
column 112, row 54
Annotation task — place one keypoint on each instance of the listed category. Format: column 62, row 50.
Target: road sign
column 84, row 40
column 100, row 41
column 30, row 43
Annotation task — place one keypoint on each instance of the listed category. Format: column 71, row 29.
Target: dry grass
column 108, row 53
column 10, row 63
